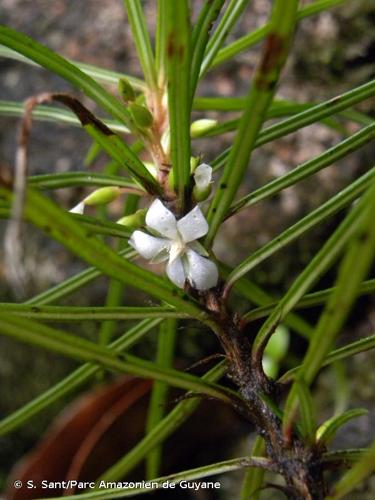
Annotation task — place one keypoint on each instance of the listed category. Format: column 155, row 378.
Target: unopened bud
column 200, row 127
column 141, row 115
column 194, row 162
column 102, row 196
column 134, row 221
column 202, row 178
column 126, row 91
column 277, row 346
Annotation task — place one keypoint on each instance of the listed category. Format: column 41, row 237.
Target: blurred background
column 331, row 54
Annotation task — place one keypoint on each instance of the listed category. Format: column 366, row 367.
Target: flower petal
column 78, row 209
column 162, row 220
column 202, row 272
column 147, row 246
column 176, row 272
column 193, row 225
column 202, row 175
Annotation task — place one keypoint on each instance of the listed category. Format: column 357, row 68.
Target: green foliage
column 156, row 115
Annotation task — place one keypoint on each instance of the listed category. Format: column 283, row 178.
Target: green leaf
column 110, row 142
column 32, row 332
column 231, row 15
column 308, row 300
column 254, row 477
column 71, row 179
column 359, row 256
column 361, row 470
column 316, row 267
column 188, row 475
column 345, row 352
column 307, row 413
column 249, row 40
column 340, row 150
column 74, row 380
column 327, row 431
column 305, row 118
column 53, row 114
column 258, row 296
column 72, row 314
column 53, row 62
column 142, row 41
column 161, row 431
column 258, row 101
column 178, row 73
column 200, row 36
column 317, row 216
column 164, row 358
column 97, row 73
column 161, row 42
column 344, row 458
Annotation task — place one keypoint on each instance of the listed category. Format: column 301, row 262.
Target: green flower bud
column 141, row 115
column 278, row 344
column 126, row 91
column 102, row 196
column 200, row 127
column 194, row 162
column 134, row 221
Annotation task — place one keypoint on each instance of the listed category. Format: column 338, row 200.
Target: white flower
column 177, row 244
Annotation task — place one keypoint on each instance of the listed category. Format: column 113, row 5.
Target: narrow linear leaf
column 361, row 470
column 327, row 431
column 142, row 41
column 345, row 352
column 70, row 314
column 305, row 118
column 110, row 142
column 32, row 332
column 317, row 216
column 178, row 73
column 73, row 381
column 200, row 36
column 53, row 62
column 161, row 431
column 164, row 358
column 359, row 256
column 249, row 40
column 231, row 15
column 97, row 73
column 161, row 42
column 340, row 150
column 316, row 267
column 308, row 300
column 258, row 101
column 71, row 179
column 53, row 114
column 307, row 412
column 189, row 475
column 254, row 477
